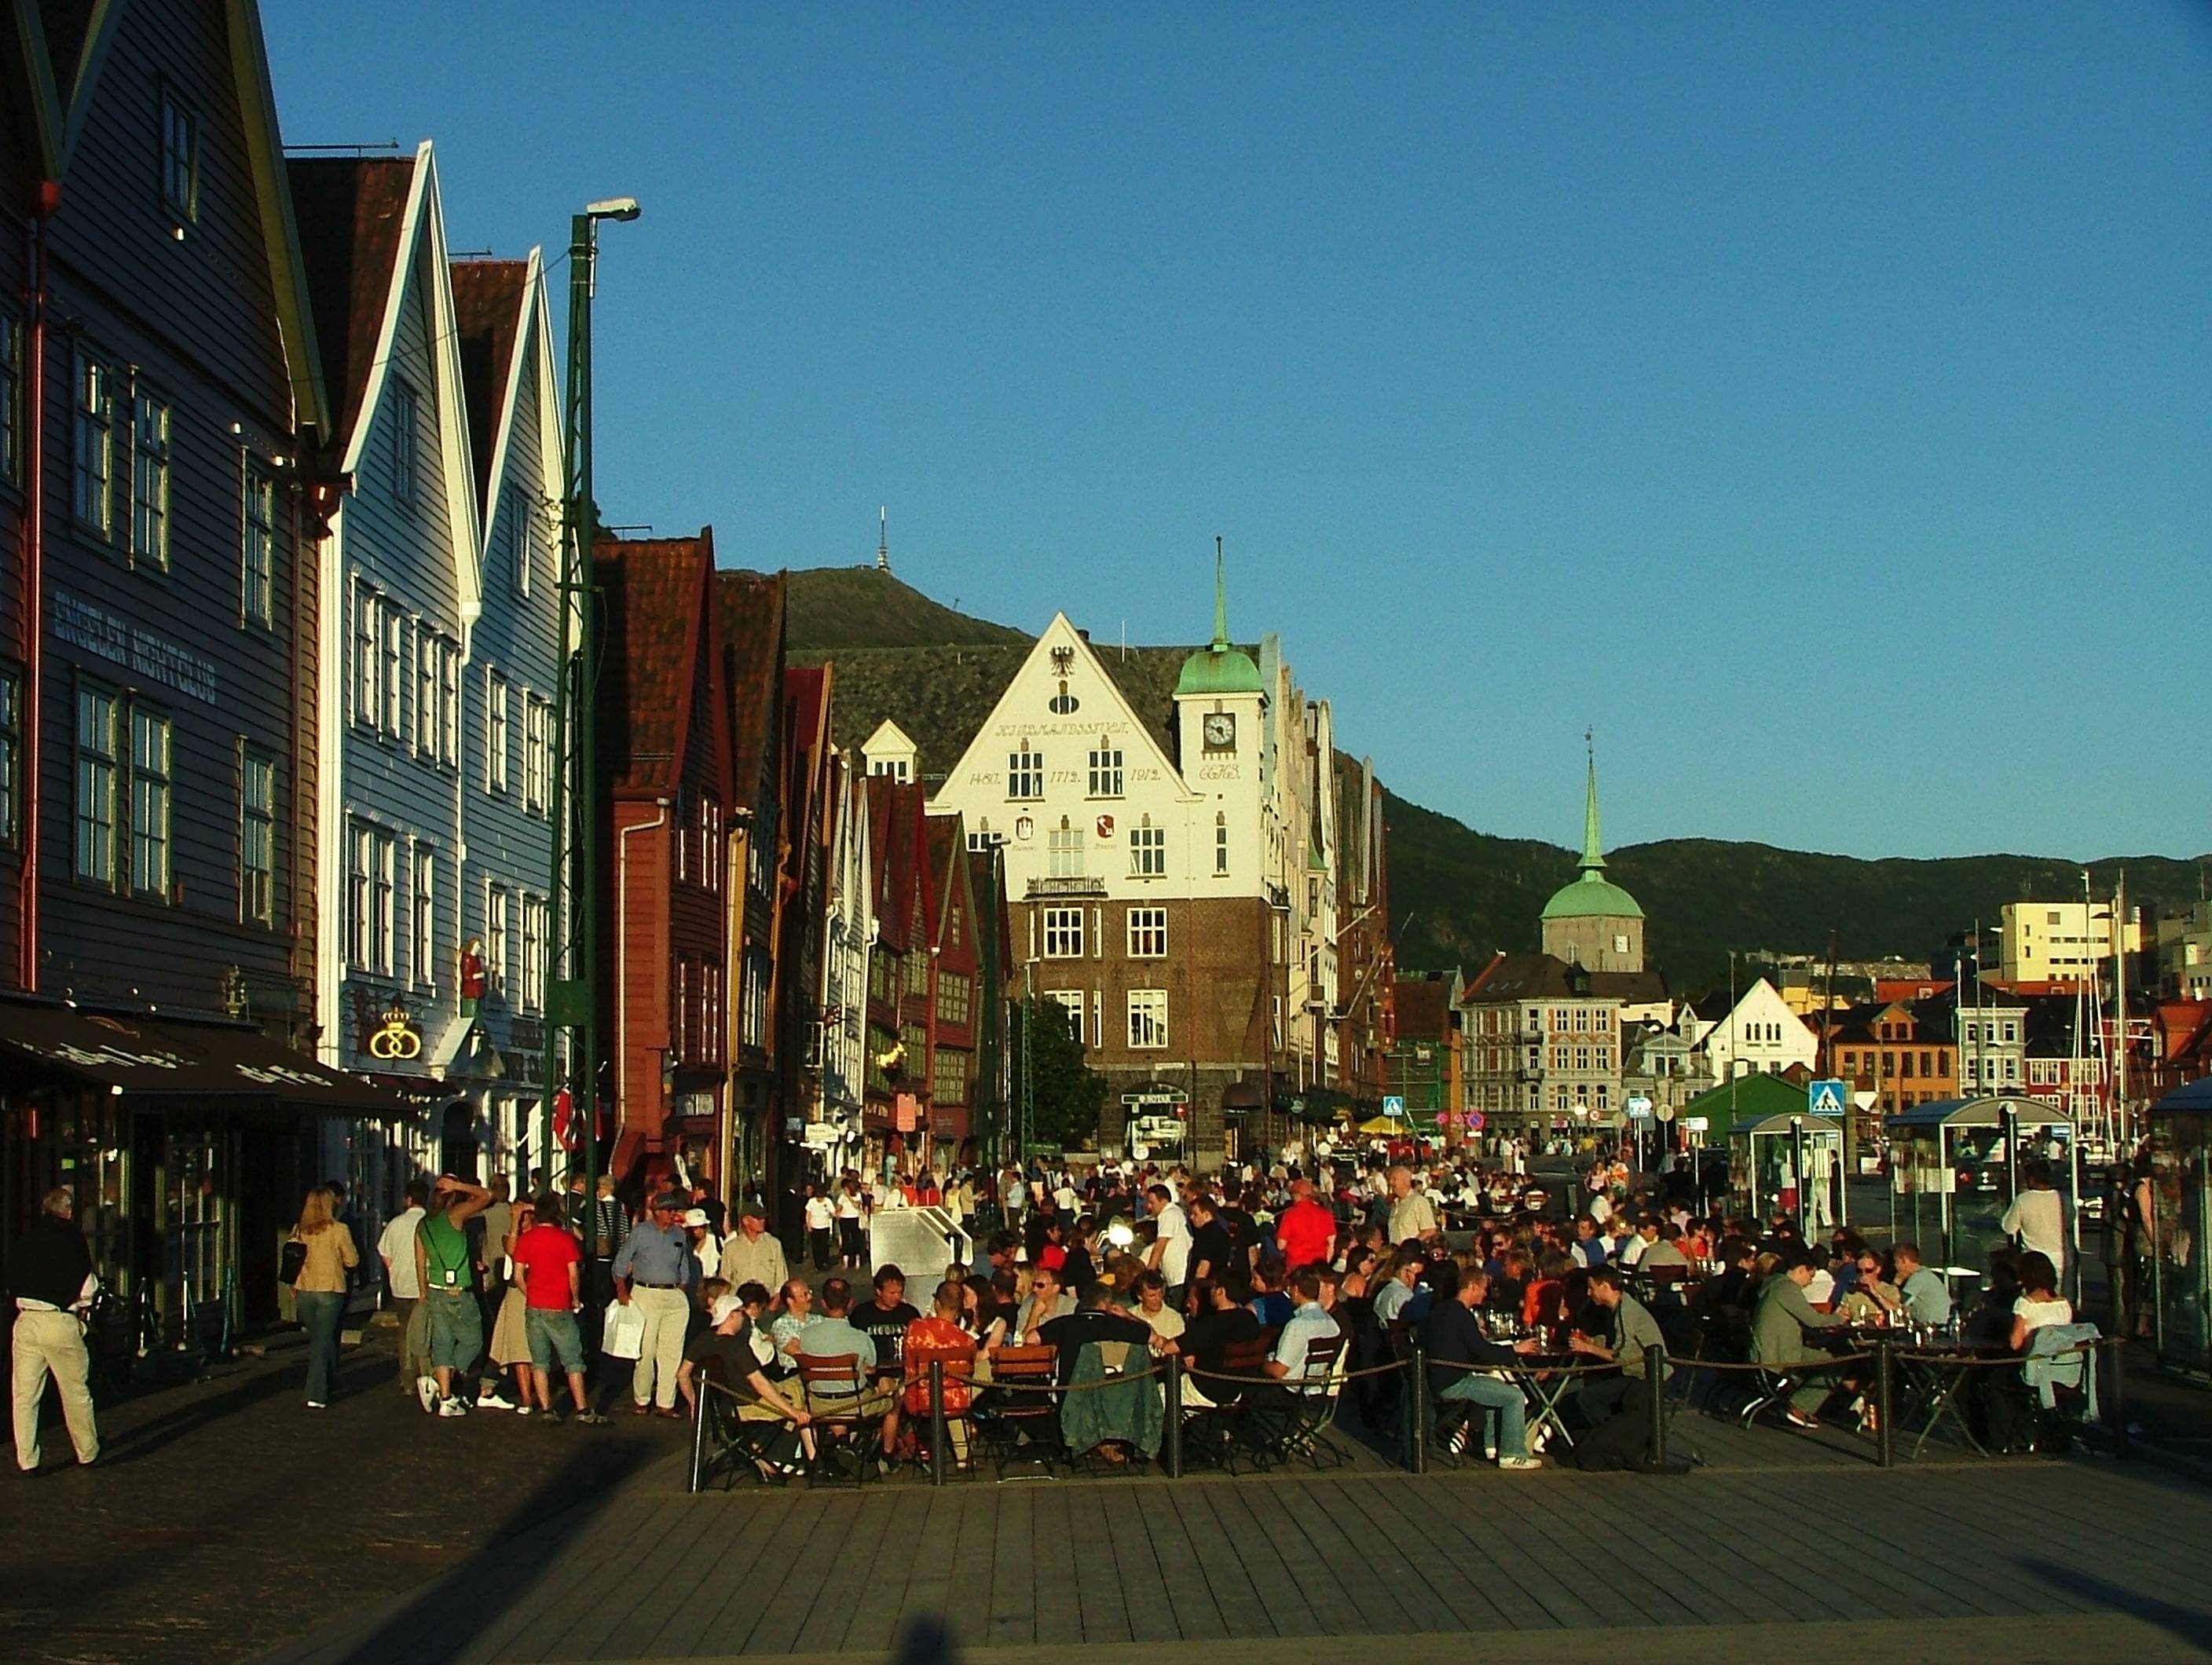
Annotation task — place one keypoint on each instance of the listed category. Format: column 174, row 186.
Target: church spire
column 1593, row 862
column 1220, row 603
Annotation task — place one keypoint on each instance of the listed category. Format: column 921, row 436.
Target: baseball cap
column 695, row 1216
column 723, row 1305
column 672, row 1200
column 752, row 1211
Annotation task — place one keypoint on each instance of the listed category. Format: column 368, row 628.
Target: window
column 256, row 838
column 494, row 732
column 425, row 737
column 406, row 438
column 98, row 762
column 1148, row 851
column 11, row 752
column 1065, row 851
column 149, row 804
column 681, row 832
column 1148, row 933
column 371, row 856
column 1063, row 934
column 1148, row 1019
column 150, row 481
column 948, row 1077
column 1106, row 772
column 955, row 997
column 536, row 754
column 257, row 575
column 449, row 703
column 180, row 159
column 710, row 844
column 11, row 399
column 95, row 444
column 496, row 936
column 423, row 897
column 1220, row 843
column 1024, row 773
column 367, row 703
column 537, row 917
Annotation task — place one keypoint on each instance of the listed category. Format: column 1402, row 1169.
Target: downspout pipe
column 47, row 202
column 622, row 956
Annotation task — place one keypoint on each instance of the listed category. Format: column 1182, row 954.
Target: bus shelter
column 1790, row 1162
column 2171, row 1196
column 1954, row 1167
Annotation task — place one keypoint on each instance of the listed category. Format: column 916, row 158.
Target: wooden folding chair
column 846, row 1410
column 1019, row 1419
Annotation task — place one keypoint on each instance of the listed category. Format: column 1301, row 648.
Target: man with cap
column 753, row 1256
column 655, row 1272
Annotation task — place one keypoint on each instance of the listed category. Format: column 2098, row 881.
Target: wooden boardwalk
column 1780, row 1542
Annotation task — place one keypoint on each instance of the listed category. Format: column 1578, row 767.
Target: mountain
column 833, row 607
column 1457, row 894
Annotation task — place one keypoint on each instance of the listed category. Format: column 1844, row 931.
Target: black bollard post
column 937, row 1434
column 1885, row 1403
column 1172, row 1436
column 1417, row 1414
column 1655, row 1390
column 2116, row 1393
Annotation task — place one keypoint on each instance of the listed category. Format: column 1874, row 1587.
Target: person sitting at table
column 1454, row 1343
column 1397, row 1287
column 1627, row 1328
column 1045, row 1301
column 1778, row 1333
column 2038, row 1302
column 937, row 1335
column 1924, row 1297
column 1871, row 1299
column 1220, row 1322
column 2035, row 1304
column 1662, row 1246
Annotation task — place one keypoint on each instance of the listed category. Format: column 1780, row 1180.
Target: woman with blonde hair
column 319, row 1289
column 510, row 1332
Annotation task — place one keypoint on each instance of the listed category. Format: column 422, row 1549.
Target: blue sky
column 1815, row 400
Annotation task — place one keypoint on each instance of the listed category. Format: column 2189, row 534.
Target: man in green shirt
column 446, row 1265
column 1778, row 1333
column 1634, row 1329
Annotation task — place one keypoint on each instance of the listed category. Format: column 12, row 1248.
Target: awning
column 1242, row 1096
column 166, row 1063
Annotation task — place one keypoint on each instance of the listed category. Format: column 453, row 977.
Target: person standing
column 319, row 1294
column 2037, row 1215
column 549, row 1264
column 396, row 1249
column 50, row 1275
column 1412, row 1216
column 820, row 1223
column 608, row 1223
column 1169, row 1255
column 852, row 1214
column 655, row 1271
column 753, row 1256
column 445, row 1264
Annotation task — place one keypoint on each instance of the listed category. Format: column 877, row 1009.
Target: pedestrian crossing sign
column 1827, row 1097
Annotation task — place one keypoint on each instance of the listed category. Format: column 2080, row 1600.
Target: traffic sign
column 1639, row 1107
column 1394, row 1105
column 1826, row 1097
column 1474, row 1119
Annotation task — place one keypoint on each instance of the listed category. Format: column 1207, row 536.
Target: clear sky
column 1816, row 400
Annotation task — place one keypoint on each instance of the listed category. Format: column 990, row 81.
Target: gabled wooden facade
column 663, row 796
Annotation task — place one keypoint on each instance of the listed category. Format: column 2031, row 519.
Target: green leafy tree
column 1065, row 1094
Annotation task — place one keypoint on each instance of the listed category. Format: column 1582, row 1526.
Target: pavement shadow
column 143, row 1439
column 2190, row 1625
column 445, row 1618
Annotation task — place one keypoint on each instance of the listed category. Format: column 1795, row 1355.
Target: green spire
column 1593, row 862
column 1220, row 602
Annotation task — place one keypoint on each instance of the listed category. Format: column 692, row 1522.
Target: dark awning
column 168, row 1063
column 1242, row 1096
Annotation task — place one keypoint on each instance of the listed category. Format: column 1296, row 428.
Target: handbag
column 623, row 1335
column 291, row 1261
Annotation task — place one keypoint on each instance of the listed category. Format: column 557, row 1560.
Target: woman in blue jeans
column 318, row 1295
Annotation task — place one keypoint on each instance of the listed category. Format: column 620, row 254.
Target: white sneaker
column 453, row 1408
column 425, row 1389
column 522, row 1410
column 1518, row 1465
column 494, row 1402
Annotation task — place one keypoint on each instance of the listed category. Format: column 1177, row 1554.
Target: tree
column 1063, row 1093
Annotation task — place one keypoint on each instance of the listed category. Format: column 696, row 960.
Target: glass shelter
column 1792, row 1163
column 1954, row 1166
column 2171, row 1194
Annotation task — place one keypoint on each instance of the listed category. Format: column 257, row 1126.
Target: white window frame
column 1063, row 934
column 1148, row 933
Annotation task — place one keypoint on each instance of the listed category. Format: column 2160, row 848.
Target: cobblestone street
column 225, row 1516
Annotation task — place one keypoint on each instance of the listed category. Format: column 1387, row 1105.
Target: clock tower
column 1220, row 709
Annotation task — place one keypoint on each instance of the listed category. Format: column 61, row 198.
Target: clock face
column 1220, row 730
column 1620, row 944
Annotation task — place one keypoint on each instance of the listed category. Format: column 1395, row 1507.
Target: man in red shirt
column 550, row 1262
column 1307, row 1232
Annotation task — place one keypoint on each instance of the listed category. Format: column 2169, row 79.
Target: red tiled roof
column 488, row 298
column 351, row 210
column 748, row 612
column 656, row 605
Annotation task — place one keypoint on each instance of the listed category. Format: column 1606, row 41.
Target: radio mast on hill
column 882, row 539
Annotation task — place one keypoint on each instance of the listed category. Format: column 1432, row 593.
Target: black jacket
column 1451, row 1333
column 50, row 1262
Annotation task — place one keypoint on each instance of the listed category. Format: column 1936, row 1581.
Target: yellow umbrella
column 1382, row 1124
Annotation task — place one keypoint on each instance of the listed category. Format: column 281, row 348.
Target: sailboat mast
column 2119, row 1006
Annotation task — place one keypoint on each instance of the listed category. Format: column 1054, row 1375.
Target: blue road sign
column 1394, row 1105
column 1827, row 1097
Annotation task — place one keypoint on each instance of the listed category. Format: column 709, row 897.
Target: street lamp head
column 612, row 208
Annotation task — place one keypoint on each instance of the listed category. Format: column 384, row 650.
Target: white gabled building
column 1760, row 1035
column 438, row 620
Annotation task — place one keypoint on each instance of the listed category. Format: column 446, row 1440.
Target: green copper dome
column 1219, row 668
column 1590, row 895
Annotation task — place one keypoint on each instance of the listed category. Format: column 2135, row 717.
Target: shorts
column 554, row 1341
column 456, row 1329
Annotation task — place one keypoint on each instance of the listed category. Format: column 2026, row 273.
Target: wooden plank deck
column 1801, row 1533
